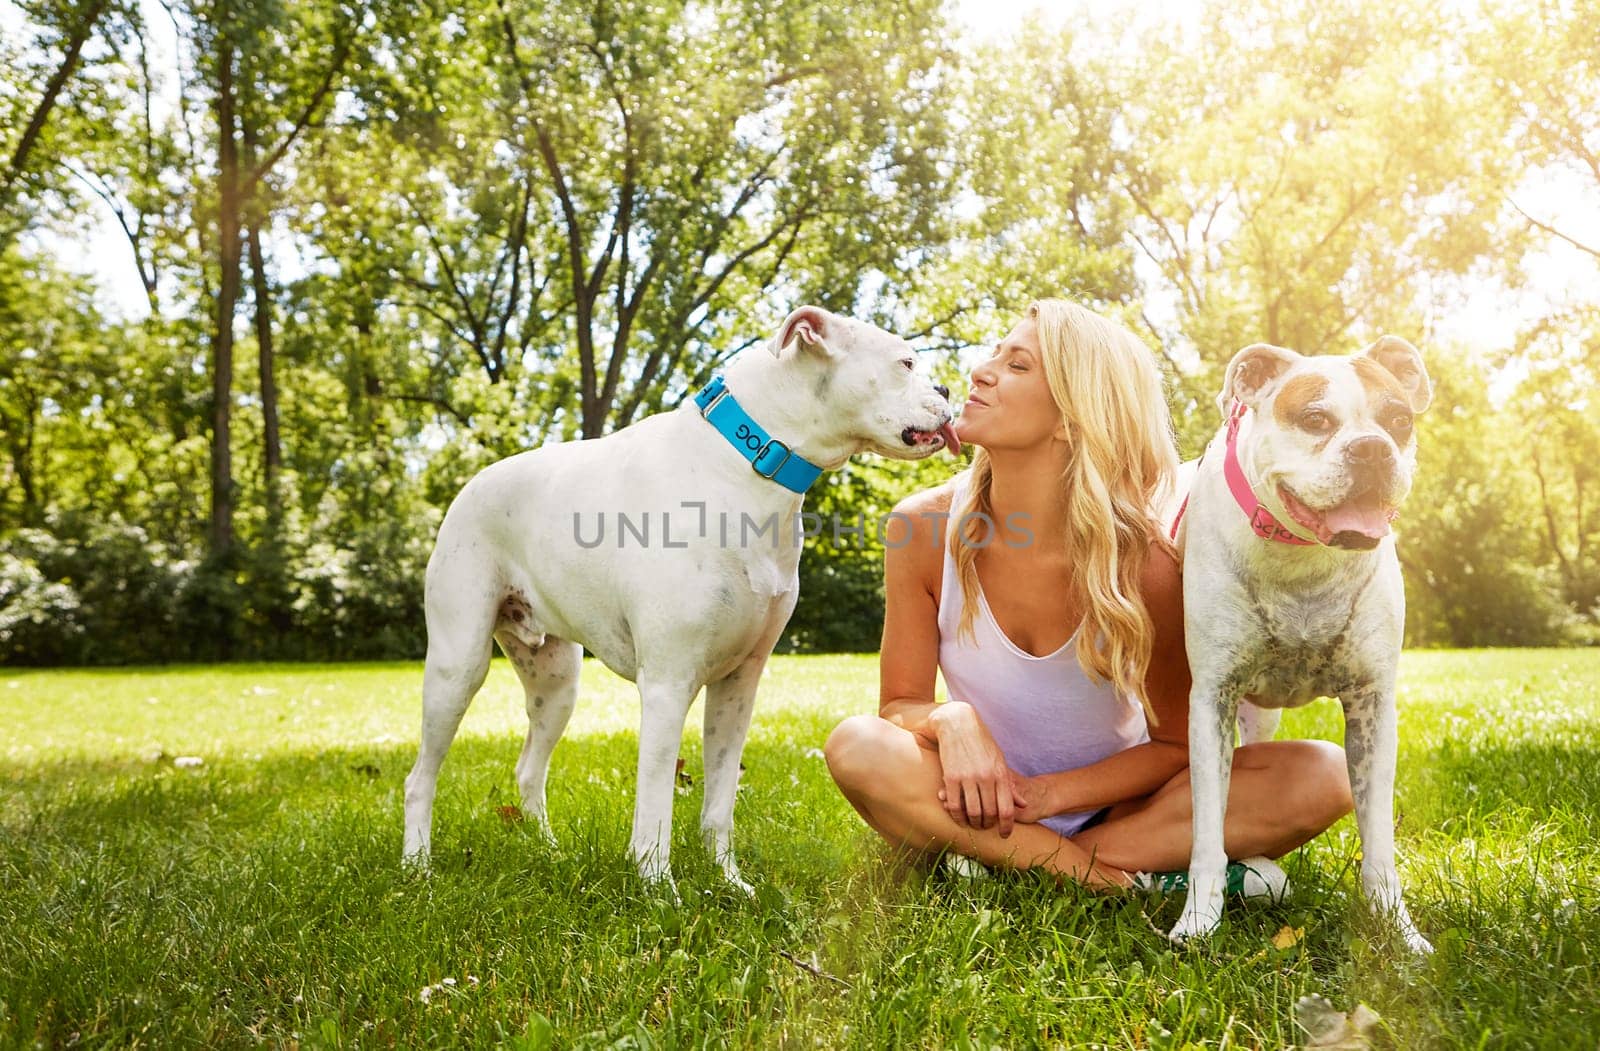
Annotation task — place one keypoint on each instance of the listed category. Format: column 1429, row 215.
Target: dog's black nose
column 944, row 392
column 1369, row 451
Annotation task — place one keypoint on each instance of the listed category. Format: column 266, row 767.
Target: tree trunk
column 228, row 220
column 19, row 436
column 272, row 455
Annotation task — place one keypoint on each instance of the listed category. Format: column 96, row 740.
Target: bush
column 39, row 617
column 88, row 593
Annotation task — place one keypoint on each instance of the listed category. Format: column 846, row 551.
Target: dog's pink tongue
column 951, row 442
column 1362, row 515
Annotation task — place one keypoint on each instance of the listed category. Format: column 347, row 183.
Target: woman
column 1040, row 582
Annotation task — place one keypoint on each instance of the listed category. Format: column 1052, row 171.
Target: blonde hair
column 1122, row 463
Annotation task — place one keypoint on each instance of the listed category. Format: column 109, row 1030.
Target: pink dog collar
column 1262, row 521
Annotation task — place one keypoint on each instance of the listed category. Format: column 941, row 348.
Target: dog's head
column 866, row 381
column 1332, row 442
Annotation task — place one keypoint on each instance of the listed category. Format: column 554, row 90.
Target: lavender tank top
column 1044, row 712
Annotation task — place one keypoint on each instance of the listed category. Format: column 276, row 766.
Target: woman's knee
column 854, row 750
column 1323, row 777
column 849, row 747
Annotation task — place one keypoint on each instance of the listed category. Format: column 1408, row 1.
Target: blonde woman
column 1040, row 582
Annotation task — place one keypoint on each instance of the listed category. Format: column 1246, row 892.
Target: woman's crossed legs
column 1282, row 794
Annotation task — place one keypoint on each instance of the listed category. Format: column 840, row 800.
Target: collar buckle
column 705, row 410
column 755, row 462
column 770, row 458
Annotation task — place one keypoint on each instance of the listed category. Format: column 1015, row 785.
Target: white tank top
column 1044, row 712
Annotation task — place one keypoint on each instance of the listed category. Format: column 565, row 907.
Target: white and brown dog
column 1291, row 585
column 521, row 560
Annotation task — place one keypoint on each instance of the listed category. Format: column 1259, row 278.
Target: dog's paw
column 665, row 890
column 1188, row 929
column 1384, row 895
column 1415, row 941
column 660, row 885
column 732, row 878
column 416, row 864
column 1196, row 922
column 539, row 824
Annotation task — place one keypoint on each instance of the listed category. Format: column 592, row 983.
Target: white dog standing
column 1291, row 585
column 696, row 604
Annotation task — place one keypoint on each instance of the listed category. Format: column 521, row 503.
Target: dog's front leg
column 664, row 703
column 1212, row 708
column 729, row 704
column 1371, row 743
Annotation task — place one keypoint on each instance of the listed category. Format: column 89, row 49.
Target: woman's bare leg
column 1282, row 794
column 893, row 782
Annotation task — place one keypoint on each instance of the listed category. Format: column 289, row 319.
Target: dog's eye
column 909, row 363
column 1316, row 421
column 1400, row 424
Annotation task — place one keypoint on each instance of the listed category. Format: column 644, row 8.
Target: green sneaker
column 1248, row 879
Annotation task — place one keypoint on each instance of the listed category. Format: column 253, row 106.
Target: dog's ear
column 807, row 324
column 1251, row 372
column 1404, row 363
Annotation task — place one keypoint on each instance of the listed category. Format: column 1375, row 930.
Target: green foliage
column 488, row 226
column 1472, row 575
column 841, row 568
column 111, row 588
column 38, row 616
column 1307, row 201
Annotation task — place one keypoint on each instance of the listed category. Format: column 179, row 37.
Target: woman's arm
column 977, row 782
column 1140, row 770
column 909, row 653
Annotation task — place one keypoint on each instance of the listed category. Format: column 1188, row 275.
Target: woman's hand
column 977, row 781
column 1032, row 799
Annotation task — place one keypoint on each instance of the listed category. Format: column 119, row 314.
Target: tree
column 68, row 28
column 646, row 187
column 1557, row 412
column 270, row 72
column 1319, row 181
column 1540, row 63
column 1032, row 175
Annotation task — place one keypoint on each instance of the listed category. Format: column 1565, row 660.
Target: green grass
column 258, row 898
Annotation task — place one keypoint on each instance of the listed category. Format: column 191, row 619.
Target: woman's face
column 1009, row 405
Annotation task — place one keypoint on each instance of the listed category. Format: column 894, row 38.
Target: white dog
column 523, row 558
column 1291, row 586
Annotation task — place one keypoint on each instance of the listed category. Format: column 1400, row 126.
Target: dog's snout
column 944, row 392
column 1369, row 451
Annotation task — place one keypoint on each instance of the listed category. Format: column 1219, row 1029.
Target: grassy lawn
column 257, row 897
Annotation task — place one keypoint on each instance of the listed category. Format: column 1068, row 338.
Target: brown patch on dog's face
column 1387, row 399
column 1298, row 393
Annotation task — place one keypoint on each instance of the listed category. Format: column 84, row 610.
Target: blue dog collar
column 767, row 456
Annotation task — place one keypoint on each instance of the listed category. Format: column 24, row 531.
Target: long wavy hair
column 1122, row 464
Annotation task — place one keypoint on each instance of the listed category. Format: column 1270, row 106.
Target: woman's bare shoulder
column 926, row 501
column 1161, row 588
column 914, row 536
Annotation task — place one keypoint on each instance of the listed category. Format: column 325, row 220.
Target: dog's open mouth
column 1358, row 523
column 945, row 436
